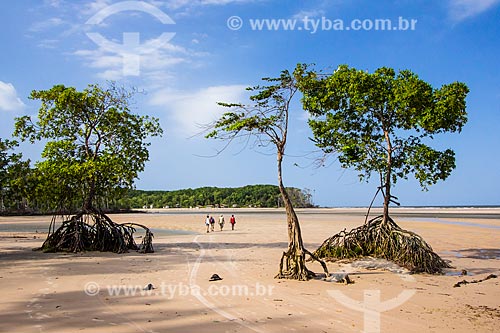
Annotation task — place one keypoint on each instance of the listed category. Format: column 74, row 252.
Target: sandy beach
column 104, row 292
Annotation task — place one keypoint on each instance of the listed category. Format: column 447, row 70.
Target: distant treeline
column 246, row 196
column 264, row 196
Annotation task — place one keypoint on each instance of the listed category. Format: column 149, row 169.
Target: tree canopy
column 94, row 145
column 13, row 173
column 383, row 122
column 94, row 149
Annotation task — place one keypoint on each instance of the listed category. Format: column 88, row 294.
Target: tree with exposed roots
column 266, row 120
column 381, row 123
column 94, row 148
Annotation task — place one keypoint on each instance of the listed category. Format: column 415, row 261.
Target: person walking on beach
column 207, row 223
column 232, row 220
column 221, row 221
column 212, row 223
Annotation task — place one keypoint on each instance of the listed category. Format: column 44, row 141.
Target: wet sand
column 74, row 292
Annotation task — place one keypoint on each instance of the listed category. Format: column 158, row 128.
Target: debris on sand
column 463, row 282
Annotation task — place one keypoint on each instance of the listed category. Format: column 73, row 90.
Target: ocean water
column 43, row 228
column 441, row 221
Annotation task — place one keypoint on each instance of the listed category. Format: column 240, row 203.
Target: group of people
column 210, row 222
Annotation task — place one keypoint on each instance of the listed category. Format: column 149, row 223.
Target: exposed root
column 147, row 241
column 293, row 267
column 95, row 231
column 383, row 240
column 313, row 257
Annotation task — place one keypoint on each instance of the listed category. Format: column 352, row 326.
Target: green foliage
column 250, row 195
column 13, row 176
column 266, row 119
column 382, row 122
column 95, row 147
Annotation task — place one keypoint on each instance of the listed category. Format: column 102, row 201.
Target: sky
column 188, row 55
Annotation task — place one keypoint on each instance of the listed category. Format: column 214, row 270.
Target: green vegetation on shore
column 264, row 196
column 251, row 195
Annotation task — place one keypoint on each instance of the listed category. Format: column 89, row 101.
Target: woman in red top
column 233, row 221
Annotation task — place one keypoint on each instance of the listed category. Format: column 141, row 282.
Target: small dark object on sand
column 464, row 272
column 149, row 287
column 215, row 277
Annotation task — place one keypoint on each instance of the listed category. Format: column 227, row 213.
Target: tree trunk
column 387, row 185
column 88, row 202
column 292, row 265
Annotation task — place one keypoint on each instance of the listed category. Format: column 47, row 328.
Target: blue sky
column 204, row 61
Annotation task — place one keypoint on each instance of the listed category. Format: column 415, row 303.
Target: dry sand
column 47, row 292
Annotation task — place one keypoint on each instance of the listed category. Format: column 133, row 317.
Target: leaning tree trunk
column 293, row 261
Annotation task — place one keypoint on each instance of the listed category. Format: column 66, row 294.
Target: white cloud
column 176, row 4
column 223, row 2
column 54, row 3
column 48, row 43
column 157, row 60
column 152, row 65
column 190, row 110
column 460, row 10
column 319, row 8
column 8, row 98
column 47, row 24
column 309, row 14
column 90, row 8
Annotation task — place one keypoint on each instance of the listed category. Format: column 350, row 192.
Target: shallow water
column 422, row 212
column 172, row 232
column 457, row 273
column 437, row 220
column 475, row 253
column 44, row 227
column 24, row 227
